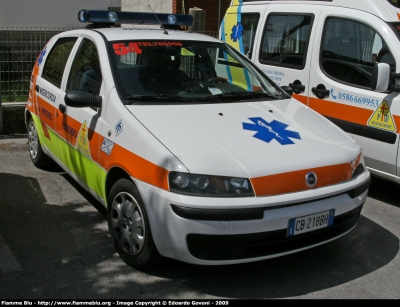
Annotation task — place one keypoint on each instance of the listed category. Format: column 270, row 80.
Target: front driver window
column 85, row 75
column 350, row 50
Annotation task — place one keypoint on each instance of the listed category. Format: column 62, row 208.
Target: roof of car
column 143, row 33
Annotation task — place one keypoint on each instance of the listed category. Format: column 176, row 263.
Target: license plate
column 311, row 222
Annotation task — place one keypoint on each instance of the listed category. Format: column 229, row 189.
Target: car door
column 347, row 47
column 48, row 88
column 286, row 44
column 78, row 126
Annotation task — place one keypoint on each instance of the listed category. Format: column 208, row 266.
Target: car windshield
column 396, row 28
column 394, row 3
column 187, row 72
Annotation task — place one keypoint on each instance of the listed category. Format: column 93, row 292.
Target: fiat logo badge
column 311, row 179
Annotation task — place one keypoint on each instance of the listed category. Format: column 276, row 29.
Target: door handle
column 62, row 108
column 320, row 91
column 297, row 87
column 37, row 88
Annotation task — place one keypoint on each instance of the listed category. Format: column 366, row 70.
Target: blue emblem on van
column 119, row 127
column 268, row 131
column 237, row 32
column 41, row 56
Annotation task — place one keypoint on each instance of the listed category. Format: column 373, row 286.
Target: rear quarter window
column 57, row 59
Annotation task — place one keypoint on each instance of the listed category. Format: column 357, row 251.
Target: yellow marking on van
column 382, row 118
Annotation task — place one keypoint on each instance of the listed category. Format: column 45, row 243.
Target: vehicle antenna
column 165, row 31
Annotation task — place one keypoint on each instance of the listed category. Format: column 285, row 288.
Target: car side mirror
column 287, row 89
column 78, row 99
column 380, row 77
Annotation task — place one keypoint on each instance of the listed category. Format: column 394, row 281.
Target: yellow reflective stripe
column 88, row 171
column 91, row 173
column 49, row 143
column 235, row 2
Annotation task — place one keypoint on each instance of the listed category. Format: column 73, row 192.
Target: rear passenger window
column 249, row 22
column 350, row 50
column 57, row 59
column 285, row 40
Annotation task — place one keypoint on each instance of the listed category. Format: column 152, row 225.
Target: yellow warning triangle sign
column 83, row 140
column 185, row 52
column 382, row 118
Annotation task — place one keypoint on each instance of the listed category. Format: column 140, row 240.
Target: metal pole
column 219, row 15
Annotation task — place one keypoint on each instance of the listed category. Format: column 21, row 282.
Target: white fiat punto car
column 192, row 163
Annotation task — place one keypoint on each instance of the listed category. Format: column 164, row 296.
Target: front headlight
column 211, row 186
column 357, row 165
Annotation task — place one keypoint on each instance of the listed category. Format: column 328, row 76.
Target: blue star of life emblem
column 237, row 32
column 42, row 54
column 268, row 131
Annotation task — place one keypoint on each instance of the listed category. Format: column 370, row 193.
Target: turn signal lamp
column 98, row 16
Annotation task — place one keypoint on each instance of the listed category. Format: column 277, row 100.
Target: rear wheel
column 129, row 226
column 38, row 157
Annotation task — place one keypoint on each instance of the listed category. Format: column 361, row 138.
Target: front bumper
column 215, row 231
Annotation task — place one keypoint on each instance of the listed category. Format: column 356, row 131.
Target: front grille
column 230, row 247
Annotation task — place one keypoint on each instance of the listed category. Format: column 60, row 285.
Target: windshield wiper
column 158, row 98
column 239, row 95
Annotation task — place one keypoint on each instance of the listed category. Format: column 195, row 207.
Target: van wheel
column 129, row 226
column 38, row 157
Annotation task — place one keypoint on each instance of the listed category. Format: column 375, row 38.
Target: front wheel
column 129, row 226
column 38, row 157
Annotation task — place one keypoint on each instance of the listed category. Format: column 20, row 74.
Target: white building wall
column 48, row 13
column 158, row 6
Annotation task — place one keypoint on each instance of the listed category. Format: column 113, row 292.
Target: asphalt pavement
column 54, row 244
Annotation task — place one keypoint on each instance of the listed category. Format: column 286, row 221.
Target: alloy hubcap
column 128, row 223
column 33, row 141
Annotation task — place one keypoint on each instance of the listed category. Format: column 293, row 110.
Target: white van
column 326, row 52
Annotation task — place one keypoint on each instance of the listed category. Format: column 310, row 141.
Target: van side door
column 346, row 49
column 285, row 45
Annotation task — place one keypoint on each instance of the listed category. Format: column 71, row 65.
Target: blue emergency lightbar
column 110, row 17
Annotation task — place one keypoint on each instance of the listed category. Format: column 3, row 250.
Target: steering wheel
column 216, row 80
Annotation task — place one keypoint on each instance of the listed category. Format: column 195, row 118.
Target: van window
column 395, row 27
column 247, row 27
column 285, row 40
column 350, row 50
column 57, row 59
column 249, row 22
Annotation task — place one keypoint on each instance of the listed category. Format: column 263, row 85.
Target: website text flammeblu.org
column 142, row 303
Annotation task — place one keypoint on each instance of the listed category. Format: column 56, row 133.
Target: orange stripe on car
column 296, row 181
column 136, row 166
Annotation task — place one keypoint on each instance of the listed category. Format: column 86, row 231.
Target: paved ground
column 54, row 243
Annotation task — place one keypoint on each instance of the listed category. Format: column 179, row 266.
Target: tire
column 129, row 226
column 38, row 157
